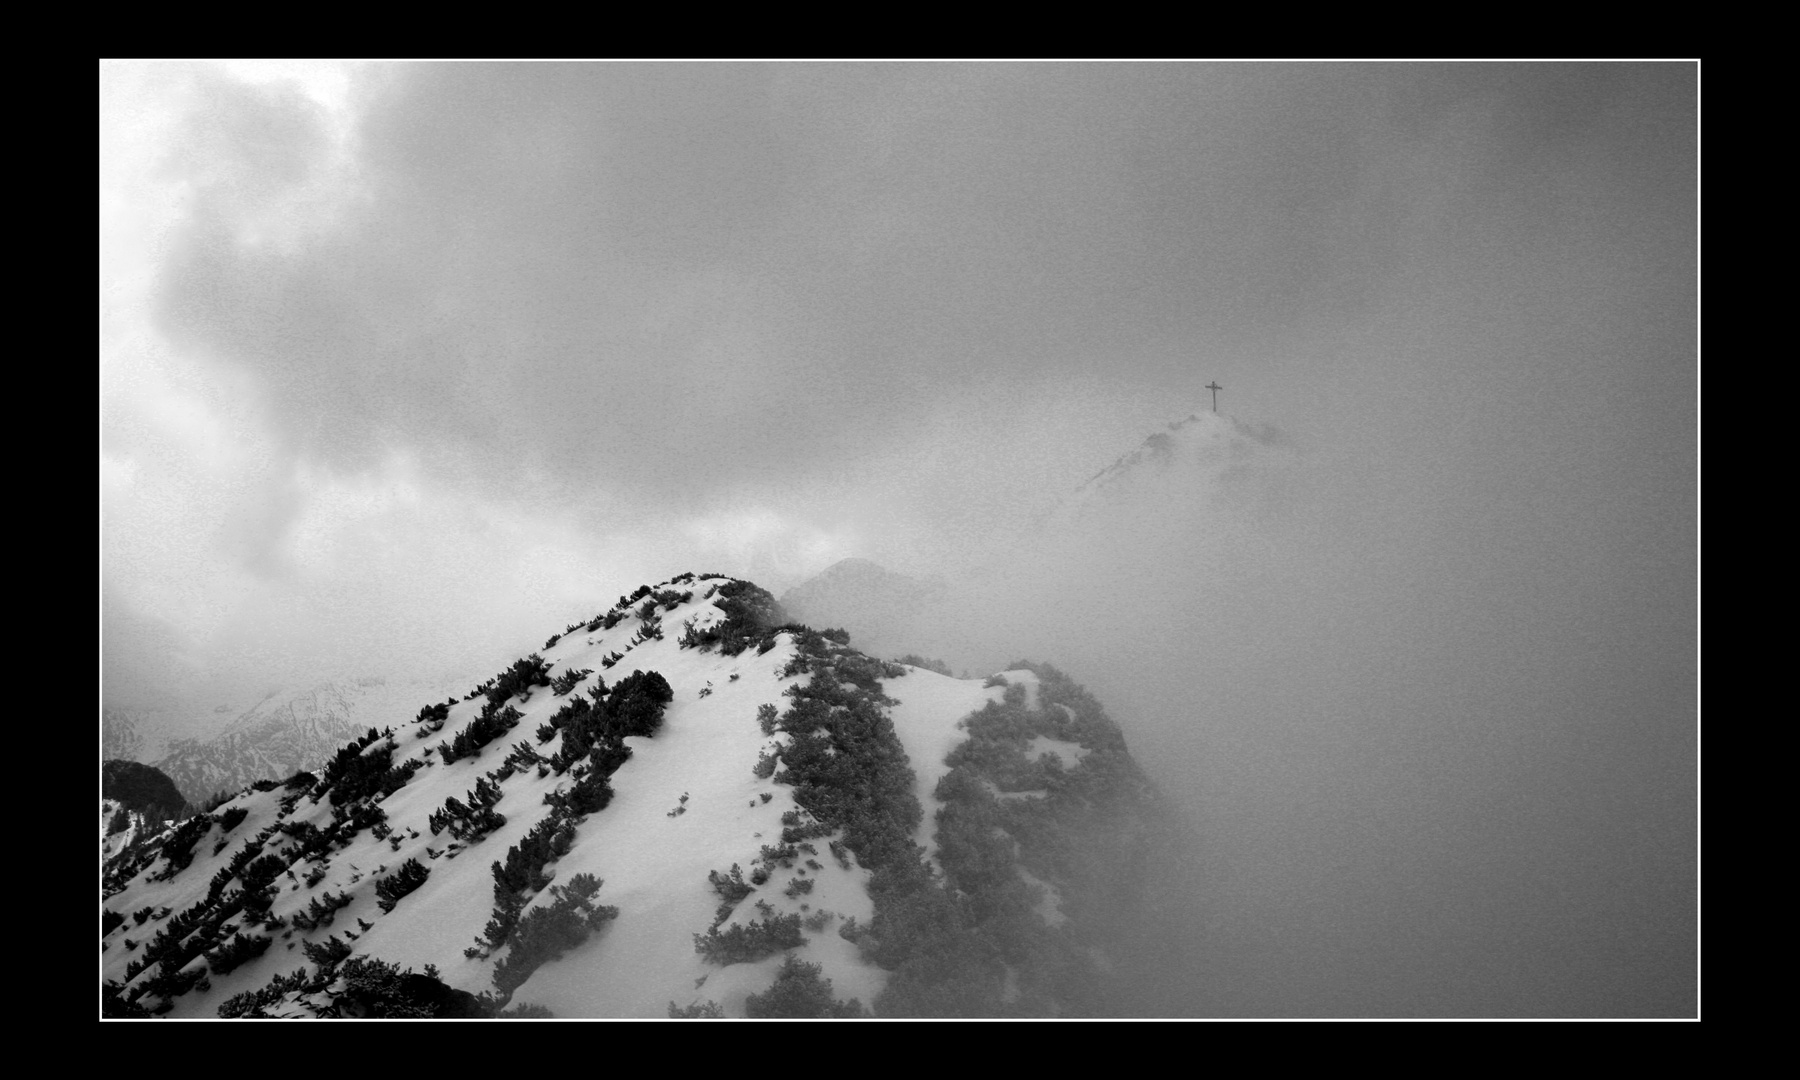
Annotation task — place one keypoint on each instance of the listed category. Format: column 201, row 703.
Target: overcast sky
column 433, row 352
column 405, row 366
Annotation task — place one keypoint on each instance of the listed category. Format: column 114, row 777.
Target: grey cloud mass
column 409, row 364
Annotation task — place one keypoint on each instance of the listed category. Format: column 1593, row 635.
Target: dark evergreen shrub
column 178, row 845
column 261, row 871
column 394, row 887
column 649, row 630
column 545, row 933
column 326, row 953
column 375, row 989
column 113, row 1005
column 493, row 722
column 929, row 665
column 252, row 1003
column 635, row 704
column 773, row 855
column 170, row 984
column 519, row 679
column 568, row 680
column 240, row 950
column 522, row 756
column 670, row 599
column 588, row 795
column 800, row 993
column 320, row 912
column 471, row 821
column 363, row 769
column 731, row 888
column 749, row 942
column 305, row 834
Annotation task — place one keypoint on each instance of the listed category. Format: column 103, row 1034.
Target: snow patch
column 1050, row 907
column 927, row 723
column 1026, row 678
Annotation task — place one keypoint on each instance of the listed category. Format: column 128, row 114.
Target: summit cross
column 1215, row 388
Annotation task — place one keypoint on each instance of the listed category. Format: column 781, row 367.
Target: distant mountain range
column 284, row 732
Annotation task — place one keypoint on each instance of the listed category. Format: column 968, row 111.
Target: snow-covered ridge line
column 652, row 830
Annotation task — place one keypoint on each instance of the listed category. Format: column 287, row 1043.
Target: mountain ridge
column 680, row 788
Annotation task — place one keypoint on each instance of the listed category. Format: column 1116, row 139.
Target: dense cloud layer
column 404, row 366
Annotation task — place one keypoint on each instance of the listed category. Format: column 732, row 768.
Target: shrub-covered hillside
column 681, row 805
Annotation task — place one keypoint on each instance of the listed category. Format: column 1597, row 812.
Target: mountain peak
column 674, row 806
column 1203, row 439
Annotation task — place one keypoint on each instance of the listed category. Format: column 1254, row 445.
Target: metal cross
column 1215, row 388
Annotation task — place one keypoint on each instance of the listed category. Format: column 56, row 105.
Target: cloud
column 684, row 278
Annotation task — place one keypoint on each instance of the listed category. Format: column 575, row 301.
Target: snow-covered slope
column 933, row 845
column 1209, row 444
